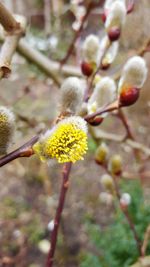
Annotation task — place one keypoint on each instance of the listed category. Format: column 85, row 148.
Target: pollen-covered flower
column 6, row 128
column 72, row 91
column 104, row 93
column 90, row 49
column 133, row 77
column 67, row 141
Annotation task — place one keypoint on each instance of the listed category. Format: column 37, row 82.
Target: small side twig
column 125, row 122
column 77, row 34
column 64, row 188
column 23, row 151
column 111, row 107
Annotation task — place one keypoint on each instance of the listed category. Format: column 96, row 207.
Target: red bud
column 103, row 17
column 95, row 121
column 105, row 66
column 87, row 68
column 129, row 96
column 114, row 34
column 130, row 7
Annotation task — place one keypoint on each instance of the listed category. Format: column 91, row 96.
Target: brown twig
column 125, row 122
column 111, row 107
column 23, row 151
column 64, row 188
column 90, row 7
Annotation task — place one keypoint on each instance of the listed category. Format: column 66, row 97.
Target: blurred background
column 92, row 233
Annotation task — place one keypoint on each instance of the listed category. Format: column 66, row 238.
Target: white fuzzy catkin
column 116, row 15
column 6, row 128
column 125, row 199
column 90, row 48
column 104, row 93
column 108, row 3
column 134, row 73
column 72, row 92
column 111, row 53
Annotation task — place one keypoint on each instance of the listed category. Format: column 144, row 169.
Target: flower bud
column 115, row 19
column 103, row 94
column 129, row 96
column 114, row 33
column 125, row 200
column 6, row 128
column 115, row 164
column 95, row 121
column 108, row 3
column 133, row 77
column 72, row 92
column 50, row 226
column 106, row 198
column 103, row 17
column 107, row 182
column 102, row 154
column 90, row 49
column 110, row 55
column 87, row 68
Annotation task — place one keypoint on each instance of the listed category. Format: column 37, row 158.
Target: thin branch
column 77, row 34
column 23, row 151
column 125, row 122
column 64, row 188
column 111, row 107
column 90, row 7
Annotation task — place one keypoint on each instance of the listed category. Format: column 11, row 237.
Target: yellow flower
column 67, row 142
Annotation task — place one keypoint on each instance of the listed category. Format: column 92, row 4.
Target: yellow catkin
column 67, row 143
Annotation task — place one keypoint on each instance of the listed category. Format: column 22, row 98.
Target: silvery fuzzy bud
column 50, row 226
column 110, row 55
column 107, row 182
column 72, row 92
column 108, row 3
column 133, row 77
column 115, row 164
column 125, row 200
column 134, row 73
column 101, row 154
column 6, row 128
column 115, row 20
column 104, row 93
column 44, row 246
column 106, row 198
column 90, row 49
